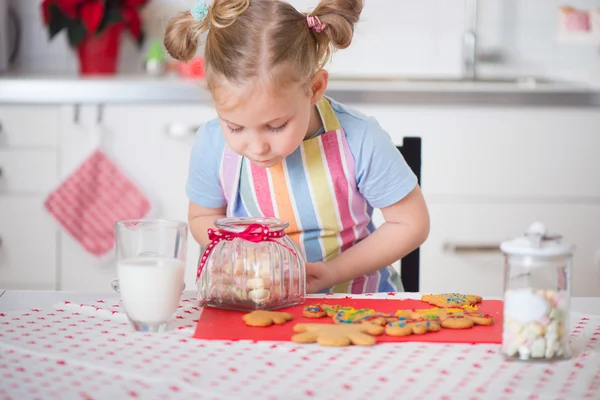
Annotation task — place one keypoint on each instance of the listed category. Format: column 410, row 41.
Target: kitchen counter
column 145, row 89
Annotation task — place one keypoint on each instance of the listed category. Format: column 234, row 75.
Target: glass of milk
column 151, row 257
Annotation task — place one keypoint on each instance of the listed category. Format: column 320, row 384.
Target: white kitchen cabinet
column 487, row 174
column 151, row 144
column 459, row 254
column 28, row 245
column 29, row 126
column 507, row 153
column 28, row 170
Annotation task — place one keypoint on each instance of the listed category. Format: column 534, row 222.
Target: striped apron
column 315, row 190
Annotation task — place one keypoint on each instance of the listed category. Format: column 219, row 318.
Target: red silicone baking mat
column 217, row 324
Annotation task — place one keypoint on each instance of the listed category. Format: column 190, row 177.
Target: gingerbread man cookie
column 337, row 335
column 266, row 318
column 447, row 300
column 405, row 327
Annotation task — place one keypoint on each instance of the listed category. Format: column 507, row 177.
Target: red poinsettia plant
column 82, row 18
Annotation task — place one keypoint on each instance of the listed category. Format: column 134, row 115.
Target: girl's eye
column 234, row 130
column 278, row 128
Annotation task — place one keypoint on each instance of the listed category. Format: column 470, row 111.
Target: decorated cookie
column 359, row 316
column 332, row 310
column 429, row 313
column 480, row 319
column 457, row 322
column 266, row 318
column 314, row 311
column 405, row 327
column 448, row 300
column 337, row 335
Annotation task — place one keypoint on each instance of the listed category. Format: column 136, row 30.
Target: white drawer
column 24, row 171
column 29, row 126
column 502, row 152
column 28, row 248
column 477, row 226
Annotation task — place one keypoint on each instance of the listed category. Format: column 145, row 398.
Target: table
column 79, row 345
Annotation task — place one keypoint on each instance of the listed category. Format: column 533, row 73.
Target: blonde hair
column 263, row 38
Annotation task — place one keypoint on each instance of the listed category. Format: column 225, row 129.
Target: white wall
column 395, row 37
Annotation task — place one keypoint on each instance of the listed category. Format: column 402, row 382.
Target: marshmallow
column 257, row 283
column 539, row 331
column 259, row 295
column 538, row 348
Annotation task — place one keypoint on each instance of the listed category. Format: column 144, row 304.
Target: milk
column 150, row 288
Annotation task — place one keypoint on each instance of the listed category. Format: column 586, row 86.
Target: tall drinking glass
column 151, row 257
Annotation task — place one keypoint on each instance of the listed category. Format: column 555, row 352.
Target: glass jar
column 536, row 296
column 251, row 264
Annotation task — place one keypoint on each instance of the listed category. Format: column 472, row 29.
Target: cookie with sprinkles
column 405, row 327
column 451, row 300
column 314, row 311
column 351, row 316
column 332, row 310
column 480, row 319
column 434, row 312
column 457, row 322
column 363, row 315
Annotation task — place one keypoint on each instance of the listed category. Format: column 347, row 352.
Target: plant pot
column 99, row 53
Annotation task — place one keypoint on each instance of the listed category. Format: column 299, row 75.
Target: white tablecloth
column 82, row 347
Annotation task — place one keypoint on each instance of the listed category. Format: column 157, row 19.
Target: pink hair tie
column 315, row 23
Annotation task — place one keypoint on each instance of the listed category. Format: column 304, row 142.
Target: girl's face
column 266, row 125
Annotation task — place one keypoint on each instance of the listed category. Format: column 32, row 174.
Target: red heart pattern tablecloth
column 90, row 352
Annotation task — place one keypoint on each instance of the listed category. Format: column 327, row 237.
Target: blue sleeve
column 203, row 185
column 383, row 176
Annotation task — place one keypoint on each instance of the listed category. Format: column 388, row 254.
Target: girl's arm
column 200, row 219
column 406, row 227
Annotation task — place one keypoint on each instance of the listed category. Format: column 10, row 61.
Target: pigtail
column 182, row 35
column 223, row 13
column 337, row 19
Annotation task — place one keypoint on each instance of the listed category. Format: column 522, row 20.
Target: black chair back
column 410, row 264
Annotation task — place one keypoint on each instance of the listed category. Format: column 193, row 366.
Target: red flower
column 91, row 14
column 132, row 21
column 67, row 7
column 82, row 18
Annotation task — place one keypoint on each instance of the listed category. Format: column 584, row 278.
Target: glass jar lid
column 239, row 224
column 537, row 242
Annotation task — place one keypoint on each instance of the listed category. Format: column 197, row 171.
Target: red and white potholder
column 92, row 199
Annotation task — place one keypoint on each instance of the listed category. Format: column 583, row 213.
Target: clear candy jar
column 536, row 296
column 251, row 264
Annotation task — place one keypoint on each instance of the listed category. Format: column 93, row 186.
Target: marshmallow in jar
column 251, row 264
column 536, row 296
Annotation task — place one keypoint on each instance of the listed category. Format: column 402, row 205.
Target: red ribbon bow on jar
column 255, row 233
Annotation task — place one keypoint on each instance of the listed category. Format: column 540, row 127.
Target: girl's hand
column 319, row 276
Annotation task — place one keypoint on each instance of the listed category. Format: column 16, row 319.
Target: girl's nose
column 259, row 147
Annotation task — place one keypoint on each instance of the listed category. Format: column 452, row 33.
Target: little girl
column 280, row 148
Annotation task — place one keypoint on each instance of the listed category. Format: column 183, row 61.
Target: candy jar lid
column 537, row 242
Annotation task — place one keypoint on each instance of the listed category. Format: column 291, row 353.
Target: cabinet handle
column 471, row 248
column 0, row 172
